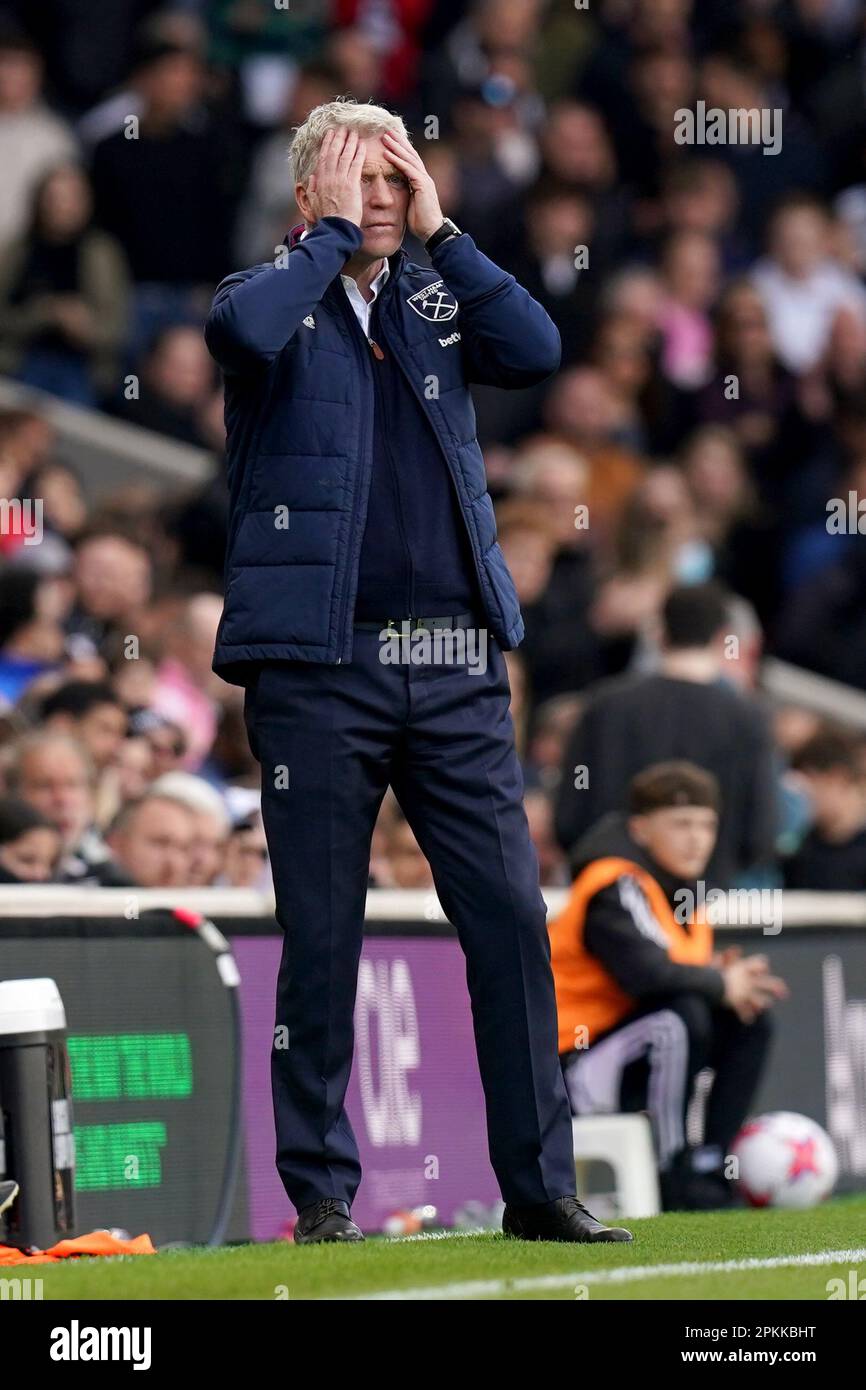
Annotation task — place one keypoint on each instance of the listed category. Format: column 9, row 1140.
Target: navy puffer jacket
column 299, row 394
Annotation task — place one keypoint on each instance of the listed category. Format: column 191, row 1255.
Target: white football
column 785, row 1160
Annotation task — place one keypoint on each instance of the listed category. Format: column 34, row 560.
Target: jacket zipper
column 349, row 315
column 386, row 438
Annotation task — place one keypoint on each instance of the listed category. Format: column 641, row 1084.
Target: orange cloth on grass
column 94, row 1243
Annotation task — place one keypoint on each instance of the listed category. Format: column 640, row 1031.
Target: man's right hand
column 750, row 988
column 334, row 189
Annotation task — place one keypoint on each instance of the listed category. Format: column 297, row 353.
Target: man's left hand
column 425, row 215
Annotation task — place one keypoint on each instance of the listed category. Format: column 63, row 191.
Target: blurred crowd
column 662, row 503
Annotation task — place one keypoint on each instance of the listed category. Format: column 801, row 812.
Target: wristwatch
column 445, row 233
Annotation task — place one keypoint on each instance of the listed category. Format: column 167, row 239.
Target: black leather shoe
column 564, row 1219
column 328, row 1219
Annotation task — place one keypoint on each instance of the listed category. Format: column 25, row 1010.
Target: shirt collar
column 349, row 282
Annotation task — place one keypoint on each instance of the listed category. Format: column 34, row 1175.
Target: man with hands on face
column 359, row 508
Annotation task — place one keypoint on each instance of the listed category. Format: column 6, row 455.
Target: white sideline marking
column 477, row 1288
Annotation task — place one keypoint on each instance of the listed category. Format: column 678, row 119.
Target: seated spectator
column 685, row 710
column 801, row 285
column 690, row 273
column 407, row 867
column 644, row 1002
column 92, row 713
column 185, row 687
column 29, row 844
column 31, row 639
column 113, row 583
column 832, row 856
column 63, row 295
column 33, row 139
column 582, row 408
column 211, row 822
column 55, row 775
column 151, row 842
column 174, row 389
column 246, row 860
column 163, row 194
column 552, row 863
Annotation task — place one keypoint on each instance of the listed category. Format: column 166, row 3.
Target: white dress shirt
column 360, row 305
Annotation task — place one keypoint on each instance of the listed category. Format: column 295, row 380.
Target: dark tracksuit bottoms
column 443, row 738
column 652, row 1057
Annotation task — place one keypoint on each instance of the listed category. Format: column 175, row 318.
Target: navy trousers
column 329, row 740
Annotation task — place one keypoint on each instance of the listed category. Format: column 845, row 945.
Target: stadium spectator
column 407, row 867
column 151, row 843
column 245, row 862
column 832, row 855
column 185, row 687
column 552, row 864
column 802, row 285
column 160, row 190
column 211, row 822
column 29, row 843
column 685, row 710
column 31, row 639
column 92, row 713
column 33, row 138
column 644, row 1002
column 175, row 386
column 113, row 583
column 55, row 775
column 63, row 295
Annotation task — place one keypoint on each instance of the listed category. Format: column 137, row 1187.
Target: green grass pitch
column 789, row 1249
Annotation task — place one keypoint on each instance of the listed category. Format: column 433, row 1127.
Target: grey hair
column 366, row 119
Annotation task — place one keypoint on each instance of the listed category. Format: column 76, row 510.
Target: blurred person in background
column 186, row 691
column 165, row 739
column 551, row 481
column 560, row 222
column 63, row 295
column 133, row 770
column 211, row 822
column 33, row 138
column 29, row 843
column 55, row 775
column 92, row 713
column 406, row 865
column 690, row 279
column 832, row 855
column 730, row 518
column 113, row 586
column 151, row 843
column 685, row 710
column 582, row 408
column 552, row 864
column 552, row 724
column 31, row 638
column 174, row 389
column 163, row 194
column 245, row 861
column 64, row 508
column 802, row 286
column 268, row 205
column 730, row 79
column 644, row 1000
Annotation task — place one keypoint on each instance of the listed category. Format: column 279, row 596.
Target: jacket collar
column 397, row 262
